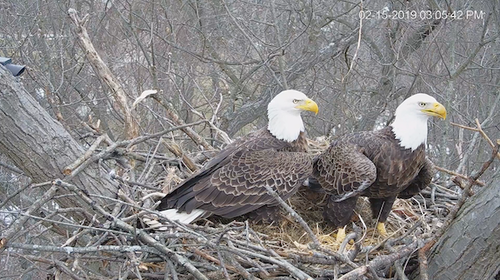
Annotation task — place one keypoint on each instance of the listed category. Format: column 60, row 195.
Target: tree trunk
column 39, row 145
column 470, row 248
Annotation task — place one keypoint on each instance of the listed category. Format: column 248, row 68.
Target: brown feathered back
column 232, row 183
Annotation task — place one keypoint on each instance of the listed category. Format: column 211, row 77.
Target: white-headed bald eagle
column 381, row 165
column 232, row 183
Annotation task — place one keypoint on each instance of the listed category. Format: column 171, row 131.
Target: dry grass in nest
column 292, row 236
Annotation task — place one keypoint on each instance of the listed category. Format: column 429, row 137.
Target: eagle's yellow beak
column 435, row 109
column 308, row 105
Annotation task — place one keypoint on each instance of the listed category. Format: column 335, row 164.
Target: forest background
column 214, row 66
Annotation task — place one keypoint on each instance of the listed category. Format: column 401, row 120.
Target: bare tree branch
column 106, row 75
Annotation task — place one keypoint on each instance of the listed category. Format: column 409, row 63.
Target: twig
column 171, row 268
column 82, row 250
column 141, row 234
column 222, row 134
column 59, row 264
column 294, row 214
column 360, row 33
column 67, row 170
column 179, row 122
column 442, row 169
column 114, row 145
column 16, row 227
column 252, row 42
column 21, row 189
column 337, row 256
column 283, row 263
column 212, row 259
column 478, row 129
column 140, row 139
column 12, row 168
column 380, row 262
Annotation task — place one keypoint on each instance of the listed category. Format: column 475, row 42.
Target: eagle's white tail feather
column 155, row 225
column 182, row 217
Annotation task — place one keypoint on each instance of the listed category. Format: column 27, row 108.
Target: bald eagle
column 232, row 183
column 381, row 165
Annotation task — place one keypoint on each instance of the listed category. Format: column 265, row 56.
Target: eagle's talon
column 341, row 235
column 381, row 229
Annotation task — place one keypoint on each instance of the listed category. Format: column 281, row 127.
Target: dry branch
column 142, row 235
column 102, row 70
column 442, row 169
column 87, row 158
column 179, row 122
column 59, row 264
column 177, row 151
column 69, row 169
column 294, row 214
column 480, row 130
column 8, row 234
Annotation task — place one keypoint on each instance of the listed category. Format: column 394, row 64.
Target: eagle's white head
column 284, row 111
column 410, row 122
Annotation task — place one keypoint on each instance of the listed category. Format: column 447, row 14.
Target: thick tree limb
column 40, row 146
column 453, row 229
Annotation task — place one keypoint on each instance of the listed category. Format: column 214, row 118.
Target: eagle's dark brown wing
column 344, row 171
column 238, row 187
column 232, row 183
column 368, row 163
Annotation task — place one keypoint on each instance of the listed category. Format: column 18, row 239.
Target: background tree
column 215, row 65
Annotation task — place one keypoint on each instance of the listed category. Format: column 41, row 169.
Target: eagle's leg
column 339, row 213
column 381, row 207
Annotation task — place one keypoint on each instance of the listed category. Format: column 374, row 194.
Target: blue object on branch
column 16, row 70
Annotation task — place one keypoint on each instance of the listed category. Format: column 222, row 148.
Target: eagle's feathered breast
column 396, row 166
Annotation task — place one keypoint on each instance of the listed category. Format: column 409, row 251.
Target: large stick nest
column 132, row 241
column 280, row 250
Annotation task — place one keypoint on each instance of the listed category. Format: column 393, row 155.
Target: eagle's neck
column 411, row 131
column 285, row 125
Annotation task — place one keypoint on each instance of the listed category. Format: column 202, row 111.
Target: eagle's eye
column 295, row 101
column 421, row 104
